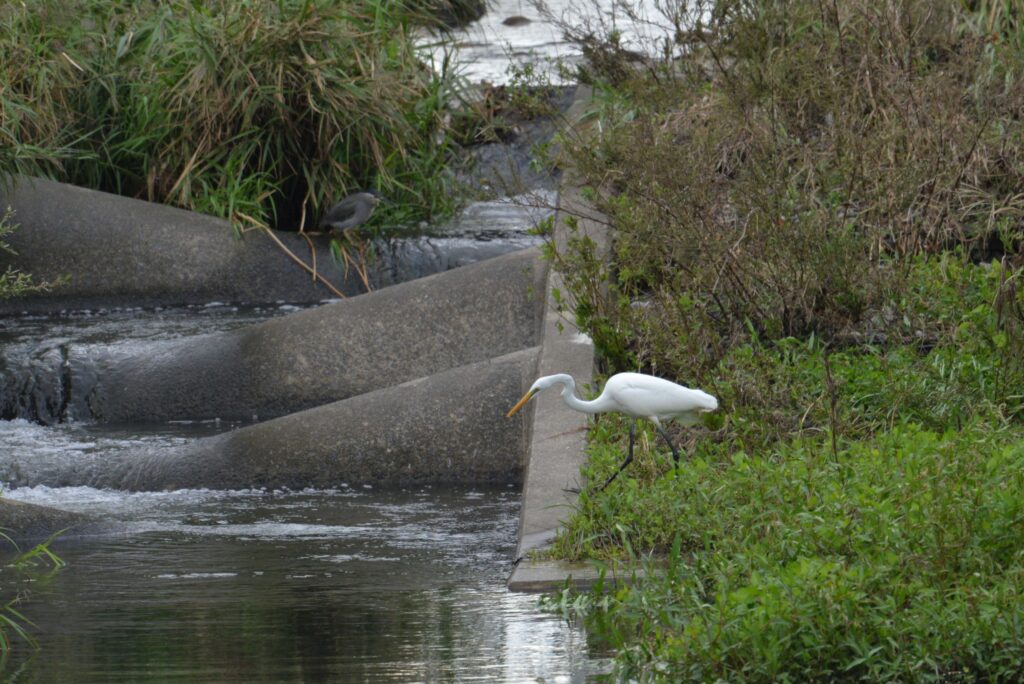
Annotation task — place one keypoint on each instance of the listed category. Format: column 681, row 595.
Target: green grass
column 898, row 557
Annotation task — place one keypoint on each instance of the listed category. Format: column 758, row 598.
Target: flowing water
column 519, row 37
column 343, row 585
column 351, row 584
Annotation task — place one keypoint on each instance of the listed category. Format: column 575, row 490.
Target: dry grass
column 773, row 180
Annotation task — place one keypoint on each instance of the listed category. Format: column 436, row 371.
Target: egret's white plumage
column 636, row 395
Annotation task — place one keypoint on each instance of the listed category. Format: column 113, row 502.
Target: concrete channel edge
column 557, row 434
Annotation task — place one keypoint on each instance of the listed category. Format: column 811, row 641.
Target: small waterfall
column 43, row 384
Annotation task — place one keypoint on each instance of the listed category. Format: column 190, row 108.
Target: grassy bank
column 817, row 219
column 262, row 112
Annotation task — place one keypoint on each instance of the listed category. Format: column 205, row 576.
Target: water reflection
column 346, row 585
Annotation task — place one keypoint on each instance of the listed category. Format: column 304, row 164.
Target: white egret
column 637, row 395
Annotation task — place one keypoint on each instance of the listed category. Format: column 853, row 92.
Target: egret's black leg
column 629, row 457
column 675, row 452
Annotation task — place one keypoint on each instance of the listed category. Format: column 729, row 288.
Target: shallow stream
column 341, row 585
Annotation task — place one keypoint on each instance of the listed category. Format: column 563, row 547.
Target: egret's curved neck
column 574, row 402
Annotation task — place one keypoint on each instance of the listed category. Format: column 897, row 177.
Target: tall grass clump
column 263, row 111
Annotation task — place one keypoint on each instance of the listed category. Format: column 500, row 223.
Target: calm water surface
column 344, row 585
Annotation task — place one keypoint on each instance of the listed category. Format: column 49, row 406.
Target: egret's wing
column 637, row 399
column 646, row 396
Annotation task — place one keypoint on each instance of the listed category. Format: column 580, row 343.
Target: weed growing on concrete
column 15, row 283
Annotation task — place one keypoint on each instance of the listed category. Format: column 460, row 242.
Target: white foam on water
column 196, row 575
column 506, row 216
column 485, row 49
column 120, row 504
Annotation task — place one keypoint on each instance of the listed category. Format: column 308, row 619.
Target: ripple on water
column 257, row 585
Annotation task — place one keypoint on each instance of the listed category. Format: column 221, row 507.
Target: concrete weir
column 115, row 251
column 405, row 385
column 557, row 434
column 555, row 448
column 24, row 521
column 121, row 252
column 332, row 352
column 448, row 427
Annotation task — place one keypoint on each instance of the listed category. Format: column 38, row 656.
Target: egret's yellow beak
column 522, row 402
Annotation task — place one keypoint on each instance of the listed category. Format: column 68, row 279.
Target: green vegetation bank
column 818, row 212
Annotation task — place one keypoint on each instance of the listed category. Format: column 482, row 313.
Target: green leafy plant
column 38, row 563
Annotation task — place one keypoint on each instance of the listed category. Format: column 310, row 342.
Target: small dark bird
column 350, row 212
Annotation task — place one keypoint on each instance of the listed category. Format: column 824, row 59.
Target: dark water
column 346, row 585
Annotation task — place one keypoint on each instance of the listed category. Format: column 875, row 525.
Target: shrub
column 771, row 182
